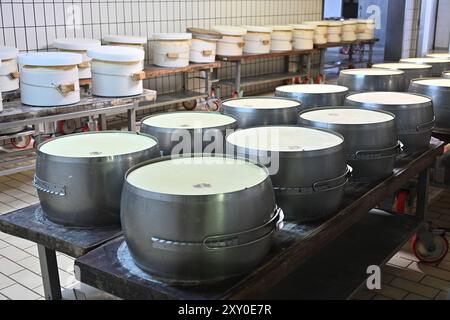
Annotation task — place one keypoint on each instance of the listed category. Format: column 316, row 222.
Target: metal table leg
column 370, row 53
column 49, row 271
column 422, row 194
column 237, row 82
column 102, row 120
column 350, row 56
column 322, row 62
column 131, row 117
column 308, row 68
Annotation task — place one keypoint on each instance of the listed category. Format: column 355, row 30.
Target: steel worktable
column 238, row 81
column 300, row 257
column 29, row 223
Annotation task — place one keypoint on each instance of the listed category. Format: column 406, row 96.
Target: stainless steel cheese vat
column 189, row 132
column 308, row 167
column 411, row 70
column 413, row 114
column 79, row 177
column 364, row 80
column 262, row 111
column 438, row 89
column 370, row 136
column 208, row 219
column 314, row 95
column 439, row 65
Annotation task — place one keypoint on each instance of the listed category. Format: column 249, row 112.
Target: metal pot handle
column 48, row 187
column 234, row 240
column 427, row 126
column 378, row 154
column 325, row 184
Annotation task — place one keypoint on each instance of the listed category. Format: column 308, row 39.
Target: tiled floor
column 403, row 277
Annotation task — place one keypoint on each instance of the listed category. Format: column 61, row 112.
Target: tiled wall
column 443, row 26
column 411, row 28
column 33, row 25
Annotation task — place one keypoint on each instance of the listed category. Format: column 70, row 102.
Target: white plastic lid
column 312, row 88
column 402, row 66
column 189, row 120
column 116, row 54
column 261, row 103
column 440, row 82
column 303, row 27
column 96, row 145
column 197, row 176
column 125, row 39
column 372, row 72
column 316, row 23
column 7, row 53
column 76, row 43
column 439, row 55
column 424, row 60
column 172, row 36
column 50, row 59
column 280, row 27
column 230, row 30
column 346, row 116
column 259, row 29
column 389, row 98
column 284, row 139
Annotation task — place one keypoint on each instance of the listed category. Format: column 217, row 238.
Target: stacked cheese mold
column 49, row 79
column 303, row 36
column 203, row 45
column 257, row 39
column 80, row 46
column 171, row 50
column 232, row 42
column 349, row 29
column 116, row 71
column 365, row 29
column 9, row 75
column 320, row 32
column 281, row 38
column 334, row 31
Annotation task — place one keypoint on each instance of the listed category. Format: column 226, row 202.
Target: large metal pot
column 413, row 114
column 210, row 218
column 439, row 91
column 262, row 111
column 365, row 80
column 306, row 165
column 411, row 70
column 314, row 95
column 79, row 177
column 189, row 132
column 370, row 136
column 439, row 65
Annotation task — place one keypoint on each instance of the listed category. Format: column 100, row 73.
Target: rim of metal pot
column 294, row 154
column 346, row 124
column 414, row 82
column 299, row 103
column 391, row 105
column 372, row 75
column 168, row 130
column 95, row 159
column 425, row 66
column 313, row 93
column 178, row 197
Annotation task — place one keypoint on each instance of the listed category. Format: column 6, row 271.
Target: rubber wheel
column 432, row 253
column 21, row 142
column 67, row 126
column 190, row 105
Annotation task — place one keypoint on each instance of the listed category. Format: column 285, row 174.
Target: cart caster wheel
column 213, row 105
column 297, row 80
column 190, row 105
column 21, row 142
column 402, row 198
column 319, row 79
column 369, row 65
column 67, row 126
column 430, row 252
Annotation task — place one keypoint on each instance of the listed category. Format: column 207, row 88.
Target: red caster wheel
column 190, row 105
column 235, row 94
column 305, row 81
column 431, row 251
column 297, row 80
column 21, row 142
column 213, row 105
column 402, row 198
column 369, row 65
column 319, row 79
column 67, row 126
